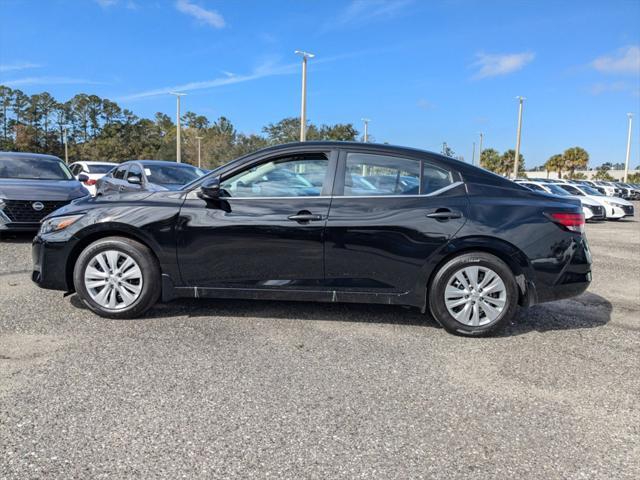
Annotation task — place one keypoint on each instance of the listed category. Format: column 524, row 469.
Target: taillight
column 90, row 182
column 573, row 222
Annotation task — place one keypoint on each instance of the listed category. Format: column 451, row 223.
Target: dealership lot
column 298, row 390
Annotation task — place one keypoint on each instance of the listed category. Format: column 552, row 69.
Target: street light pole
column 366, row 129
column 480, row 150
column 626, row 162
column 66, row 148
column 515, row 163
column 303, row 108
column 199, row 161
column 473, row 154
column 178, row 149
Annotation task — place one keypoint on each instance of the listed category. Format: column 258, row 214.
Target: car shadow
column 586, row 311
column 17, row 237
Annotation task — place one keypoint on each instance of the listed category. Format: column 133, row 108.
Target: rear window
column 34, row 169
column 100, row 168
column 372, row 175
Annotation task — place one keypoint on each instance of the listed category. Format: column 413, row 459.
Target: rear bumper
column 566, row 275
column 50, row 264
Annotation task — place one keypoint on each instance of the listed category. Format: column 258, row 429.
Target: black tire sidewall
column 145, row 259
column 436, row 293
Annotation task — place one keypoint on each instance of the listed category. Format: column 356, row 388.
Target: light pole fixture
column 366, row 129
column 178, row 95
column 199, row 161
column 626, row 161
column 517, row 156
column 66, row 147
column 303, row 108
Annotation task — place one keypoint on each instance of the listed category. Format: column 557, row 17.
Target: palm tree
column 575, row 158
column 556, row 163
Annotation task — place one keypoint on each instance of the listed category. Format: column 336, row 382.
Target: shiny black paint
column 383, row 249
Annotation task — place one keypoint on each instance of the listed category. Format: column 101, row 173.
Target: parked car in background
column 92, row 171
column 147, row 175
column 615, row 208
column 31, row 187
column 610, row 190
column 628, row 191
column 466, row 244
column 592, row 209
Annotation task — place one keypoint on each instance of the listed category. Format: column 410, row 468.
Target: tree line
column 99, row 129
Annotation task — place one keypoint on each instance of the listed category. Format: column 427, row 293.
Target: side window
column 76, row 169
column 119, row 172
column 434, row 178
column 135, row 171
column 299, row 176
column 369, row 174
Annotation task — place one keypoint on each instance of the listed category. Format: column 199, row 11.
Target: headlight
column 56, row 224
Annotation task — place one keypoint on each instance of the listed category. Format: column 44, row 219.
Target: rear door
column 388, row 216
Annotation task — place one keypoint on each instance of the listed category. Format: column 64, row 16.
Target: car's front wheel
column 473, row 294
column 117, row 277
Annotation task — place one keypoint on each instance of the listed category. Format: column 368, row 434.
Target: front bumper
column 50, row 264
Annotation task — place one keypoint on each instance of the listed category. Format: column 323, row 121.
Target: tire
column 489, row 306
column 112, row 261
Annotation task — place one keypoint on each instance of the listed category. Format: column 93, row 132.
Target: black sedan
column 147, row 175
column 31, row 187
column 463, row 243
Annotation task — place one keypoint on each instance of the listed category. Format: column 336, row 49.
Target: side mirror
column 83, row 177
column 210, row 189
column 134, row 179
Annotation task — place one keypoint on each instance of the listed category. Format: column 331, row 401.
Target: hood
column 89, row 203
column 619, row 201
column 588, row 201
column 43, row 190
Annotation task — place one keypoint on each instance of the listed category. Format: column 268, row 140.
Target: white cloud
column 14, row 67
column 365, row 11
column 262, row 71
column 210, row 17
column 624, row 60
column 425, row 104
column 106, row 3
column 20, row 82
column 491, row 65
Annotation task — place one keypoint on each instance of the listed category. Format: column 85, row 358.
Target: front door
column 266, row 230
column 389, row 215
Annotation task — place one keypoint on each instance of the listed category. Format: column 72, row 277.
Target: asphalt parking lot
column 221, row 389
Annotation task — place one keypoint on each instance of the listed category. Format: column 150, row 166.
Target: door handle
column 305, row 217
column 444, row 214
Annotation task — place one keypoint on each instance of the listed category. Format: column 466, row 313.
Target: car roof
column 84, row 162
column 25, row 155
column 158, row 162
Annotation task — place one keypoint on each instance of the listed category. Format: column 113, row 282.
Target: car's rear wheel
column 473, row 294
column 117, row 277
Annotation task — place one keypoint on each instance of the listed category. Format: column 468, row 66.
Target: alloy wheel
column 475, row 296
column 113, row 279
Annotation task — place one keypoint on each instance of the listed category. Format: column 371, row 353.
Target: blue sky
column 424, row 72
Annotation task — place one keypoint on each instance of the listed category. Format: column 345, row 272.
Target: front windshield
column 556, row 189
column 33, row 168
column 172, row 175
